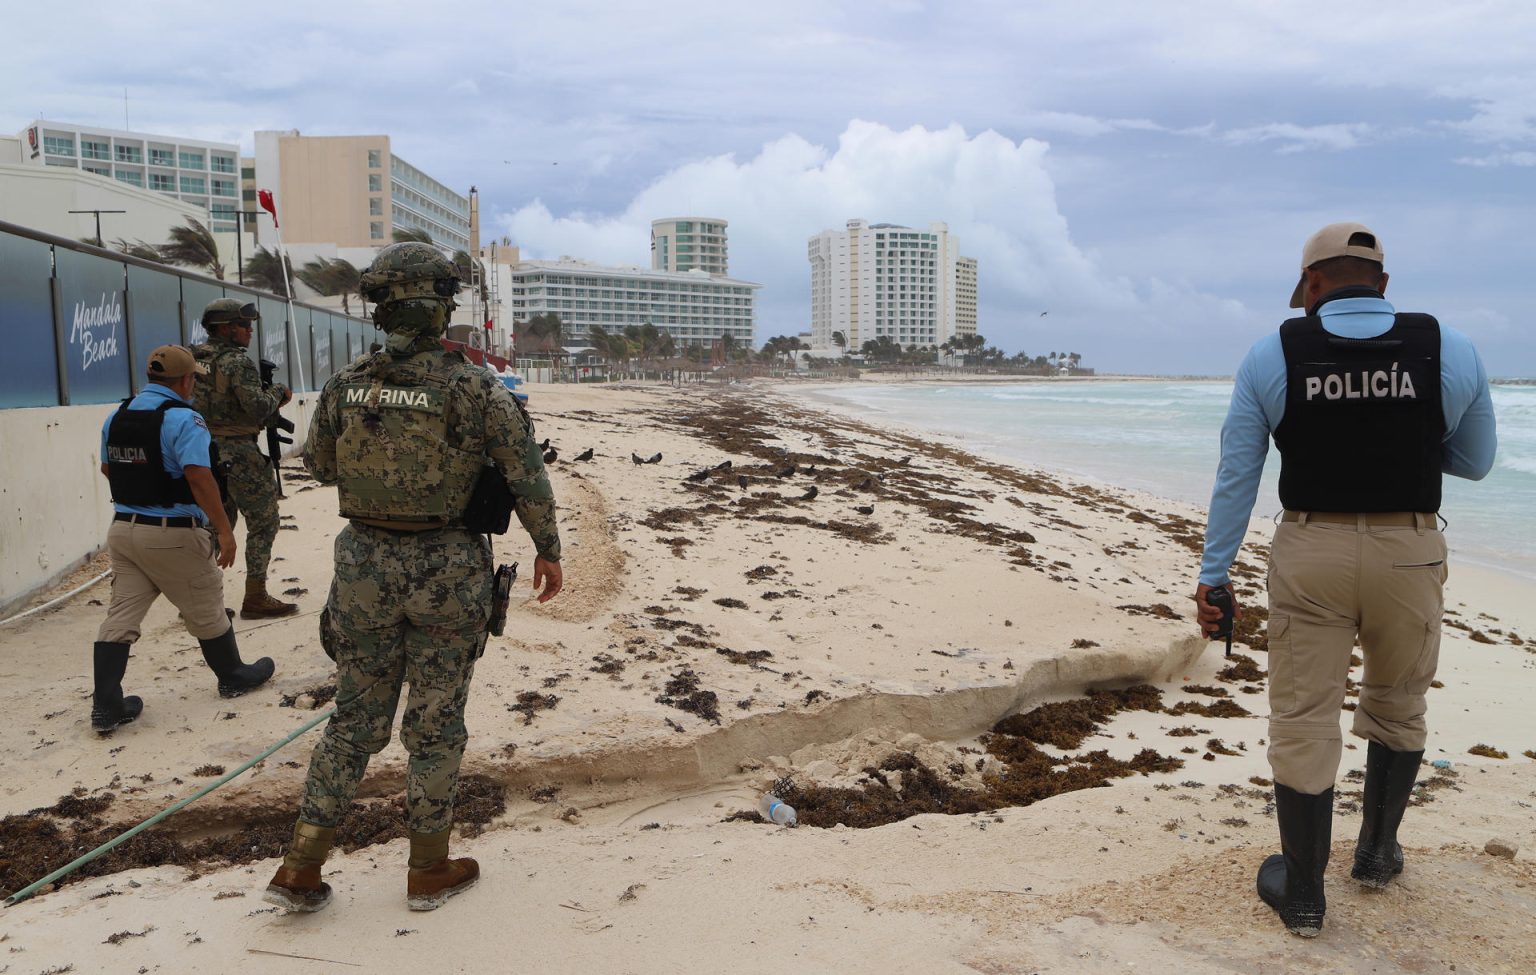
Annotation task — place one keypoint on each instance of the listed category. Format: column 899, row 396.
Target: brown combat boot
column 297, row 885
column 433, row 876
column 259, row 604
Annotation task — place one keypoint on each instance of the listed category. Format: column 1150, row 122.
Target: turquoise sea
column 1163, row 437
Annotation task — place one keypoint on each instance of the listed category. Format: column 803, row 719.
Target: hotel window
column 162, row 182
column 57, row 145
column 375, row 183
column 221, row 164
column 247, row 172
column 130, row 177
column 194, row 184
column 376, row 230
column 130, row 154
column 375, row 207
column 191, row 160
column 98, row 170
column 95, row 150
column 373, row 158
column 223, row 187
column 162, row 157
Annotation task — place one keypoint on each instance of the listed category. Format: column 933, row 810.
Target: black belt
column 1378, row 519
column 180, row 521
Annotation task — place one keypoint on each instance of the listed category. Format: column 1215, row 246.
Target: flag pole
column 285, row 268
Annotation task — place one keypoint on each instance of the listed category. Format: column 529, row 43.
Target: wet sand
column 863, row 640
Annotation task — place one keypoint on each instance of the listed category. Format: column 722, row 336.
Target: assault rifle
column 277, row 425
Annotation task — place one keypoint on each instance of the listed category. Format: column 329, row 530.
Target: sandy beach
column 788, row 593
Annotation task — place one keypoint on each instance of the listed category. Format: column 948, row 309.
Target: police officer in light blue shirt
column 155, row 453
column 1369, row 407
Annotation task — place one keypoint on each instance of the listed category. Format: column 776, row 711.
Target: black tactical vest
column 1363, row 425
column 135, row 463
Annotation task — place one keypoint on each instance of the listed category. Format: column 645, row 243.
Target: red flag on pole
column 490, row 323
column 267, row 204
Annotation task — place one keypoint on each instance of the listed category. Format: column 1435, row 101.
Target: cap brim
column 1296, row 296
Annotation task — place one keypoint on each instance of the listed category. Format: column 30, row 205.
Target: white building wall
column 40, row 198
column 871, row 280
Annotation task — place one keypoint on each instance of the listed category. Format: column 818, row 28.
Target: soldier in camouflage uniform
column 404, row 433
column 236, row 406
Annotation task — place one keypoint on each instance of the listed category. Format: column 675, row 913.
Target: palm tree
column 267, row 270
column 139, row 249
column 841, row 341
column 332, row 277
column 193, row 246
column 402, row 235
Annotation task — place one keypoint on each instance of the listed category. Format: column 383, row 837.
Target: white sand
column 918, row 643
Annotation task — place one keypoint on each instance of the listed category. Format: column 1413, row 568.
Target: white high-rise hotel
column 881, row 279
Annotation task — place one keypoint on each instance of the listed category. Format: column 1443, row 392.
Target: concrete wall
column 55, row 507
column 40, row 197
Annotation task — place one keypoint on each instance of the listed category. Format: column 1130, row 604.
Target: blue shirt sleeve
column 185, row 441
column 1471, row 434
column 1258, row 402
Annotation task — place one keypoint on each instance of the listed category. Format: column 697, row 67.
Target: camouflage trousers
column 403, row 608
column 253, row 490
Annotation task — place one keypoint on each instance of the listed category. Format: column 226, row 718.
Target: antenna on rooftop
column 125, row 108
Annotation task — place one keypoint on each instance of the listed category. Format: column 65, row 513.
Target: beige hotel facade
column 349, row 191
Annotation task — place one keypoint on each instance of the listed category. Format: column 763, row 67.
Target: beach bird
column 724, row 465
column 810, row 493
column 551, row 455
column 742, row 482
column 638, row 460
column 653, row 459
column 699, row 475
column 864, row 509
column 786, row 472
column 585, row 454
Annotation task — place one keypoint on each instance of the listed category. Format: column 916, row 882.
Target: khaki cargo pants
column 149, row 560
column 1329, row 582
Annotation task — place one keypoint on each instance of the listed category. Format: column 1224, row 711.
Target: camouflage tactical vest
column 394, row 462
column 213, row 395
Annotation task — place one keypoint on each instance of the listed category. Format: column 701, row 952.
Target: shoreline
column 720, row 632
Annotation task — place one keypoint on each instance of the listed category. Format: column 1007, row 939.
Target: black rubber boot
column 1292, row 881
column 1389, row 779
column 109, row 708
column 235, row 677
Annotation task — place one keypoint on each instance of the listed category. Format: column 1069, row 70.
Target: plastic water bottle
column 775, row 811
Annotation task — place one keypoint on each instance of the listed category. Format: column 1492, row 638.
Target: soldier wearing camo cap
column 403, row 434
column 231, row 398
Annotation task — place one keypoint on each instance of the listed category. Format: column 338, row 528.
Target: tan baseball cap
column 173, row 362
column 1337, row 240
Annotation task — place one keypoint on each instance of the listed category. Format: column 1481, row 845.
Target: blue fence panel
column 274, row 336
column 154, row 311
column 323, row 327
column 195, row 296
column 95, row 329
column 26, row 309
column 301, row 363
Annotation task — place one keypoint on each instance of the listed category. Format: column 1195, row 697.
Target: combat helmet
column 411, row 269
column 228, row 311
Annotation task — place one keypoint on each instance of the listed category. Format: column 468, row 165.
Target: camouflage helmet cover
column 227, row 311
column 410, row 269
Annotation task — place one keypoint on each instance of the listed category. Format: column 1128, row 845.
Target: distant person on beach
column 237, row 406
column 1368, row 407
column 404, row 434
column 155, row 456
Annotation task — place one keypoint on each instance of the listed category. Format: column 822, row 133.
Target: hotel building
column 351, row 191
column 686, row 243
column 691, row 306
column 202, row 174
column 882, row 279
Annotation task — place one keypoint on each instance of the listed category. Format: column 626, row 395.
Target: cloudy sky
column 1143, row 173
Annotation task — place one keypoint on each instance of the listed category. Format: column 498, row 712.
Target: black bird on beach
column 545, row 444
column 905, row 461
column 742, row 482
column 786, row 472
column 551, row 455
column 864, row 509
column 810, row 493
column 654, row 458
column 699, row 475
column 585, row 454
column 636, row 458
column 868, row 484
column 724, row 465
